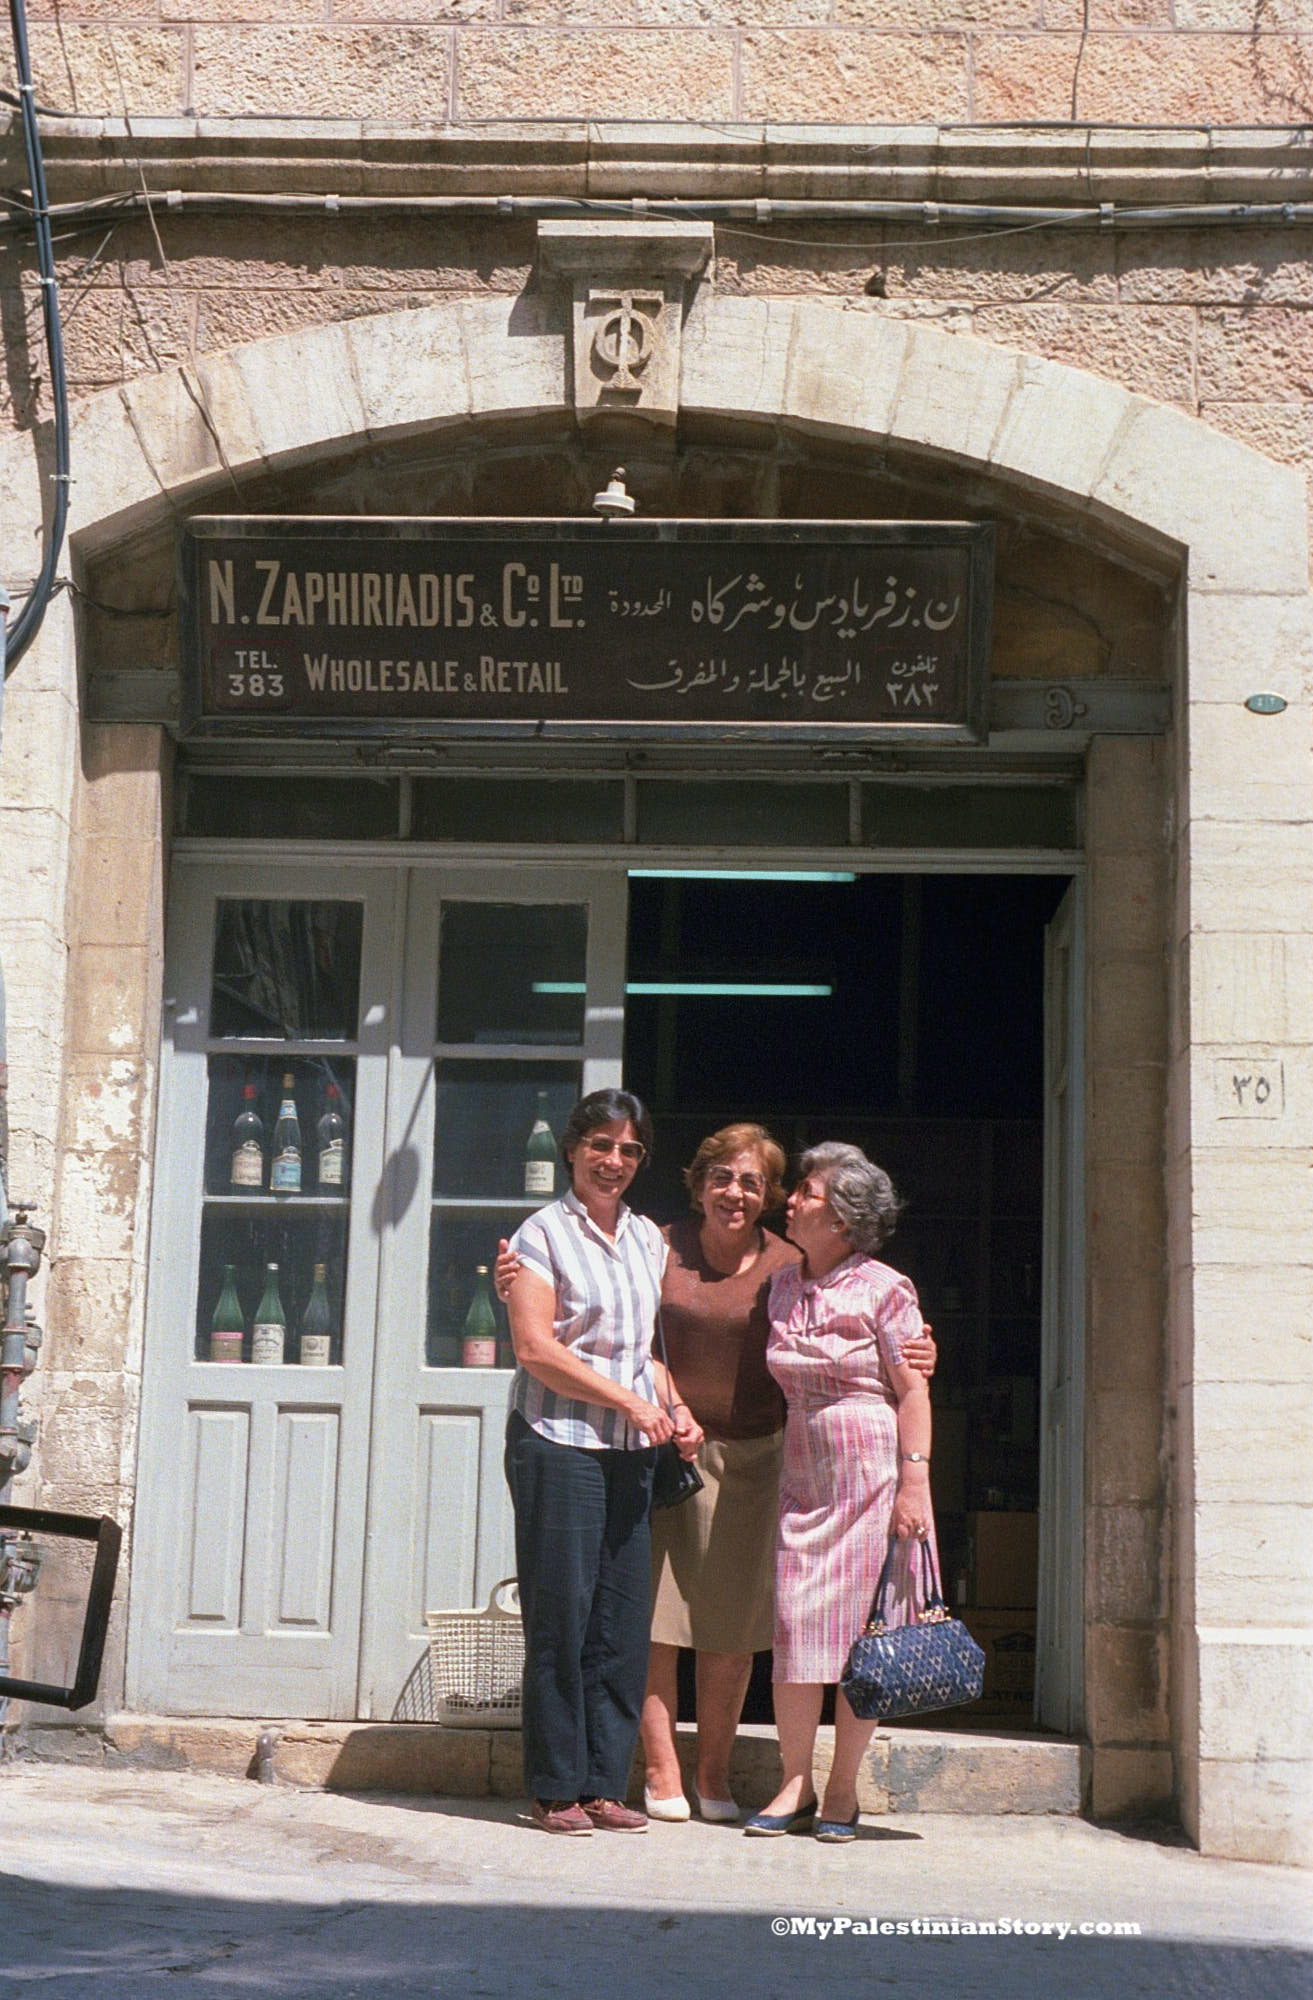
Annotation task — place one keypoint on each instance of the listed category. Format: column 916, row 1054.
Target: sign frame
column 968, row 725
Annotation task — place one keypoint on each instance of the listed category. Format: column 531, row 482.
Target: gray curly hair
column 860, row 1193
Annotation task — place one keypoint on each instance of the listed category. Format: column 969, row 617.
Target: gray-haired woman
column 856, row 1465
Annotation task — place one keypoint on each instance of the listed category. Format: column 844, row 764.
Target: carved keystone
column 628, row 281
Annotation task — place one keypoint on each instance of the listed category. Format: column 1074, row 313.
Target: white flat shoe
column 676, row 1808
column 724, row 1810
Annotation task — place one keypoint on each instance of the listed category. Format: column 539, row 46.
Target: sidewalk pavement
column 130, row 1885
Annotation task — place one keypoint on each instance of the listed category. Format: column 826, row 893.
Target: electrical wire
column 28, row 622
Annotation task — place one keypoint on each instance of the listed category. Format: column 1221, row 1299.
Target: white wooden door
column 250, row 1519
column 515, row 982
column 1059, row 1658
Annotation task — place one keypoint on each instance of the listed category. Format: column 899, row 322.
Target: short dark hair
column 603, row 1107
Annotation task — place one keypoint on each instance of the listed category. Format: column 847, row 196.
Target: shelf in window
column 530, row 1203
column 282, row 1202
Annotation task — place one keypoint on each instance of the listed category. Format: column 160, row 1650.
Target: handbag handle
column 660, row 1341
column 933, row 1607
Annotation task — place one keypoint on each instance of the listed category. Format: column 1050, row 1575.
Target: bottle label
column 540, row 1177
column 285, row 1172
column 479, row 1351
column 267, row 1344
column 248, row 1164
column 314, row 1350
column 226, row 1345
column 331, row 1158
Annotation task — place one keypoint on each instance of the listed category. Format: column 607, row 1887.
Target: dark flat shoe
column 836, row 1830
column 767, row 1825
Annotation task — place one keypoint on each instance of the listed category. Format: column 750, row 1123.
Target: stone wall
column 1225, row 62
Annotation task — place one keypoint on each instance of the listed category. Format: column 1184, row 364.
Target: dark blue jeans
column 583, row 1551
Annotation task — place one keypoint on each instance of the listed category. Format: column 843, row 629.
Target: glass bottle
column 285, row 1165
column 478, row 1348
column 540, row 1154
column 317, row 1325
column 248, row 1142
column 331, row 1133
column 228, row 1326
column 270, row 1329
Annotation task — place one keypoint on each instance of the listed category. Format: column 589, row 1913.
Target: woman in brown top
column 712, row 1558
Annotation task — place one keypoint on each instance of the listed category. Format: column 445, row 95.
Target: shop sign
column 319, row 627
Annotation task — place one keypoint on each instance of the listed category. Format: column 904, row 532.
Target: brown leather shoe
column 609, row 1816
column 561, row 1816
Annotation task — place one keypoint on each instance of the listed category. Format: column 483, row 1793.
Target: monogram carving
column 627, row 334
column 628, row 291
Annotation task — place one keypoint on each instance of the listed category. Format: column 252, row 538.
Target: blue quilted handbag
column 913, row 1669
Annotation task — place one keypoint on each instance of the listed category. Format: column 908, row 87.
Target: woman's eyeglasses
column 722, row 1178
column 629, row 1150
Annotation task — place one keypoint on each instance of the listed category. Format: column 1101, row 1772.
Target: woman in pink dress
column 856, row 1467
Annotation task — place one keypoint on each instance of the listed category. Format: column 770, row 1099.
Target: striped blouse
column 607, row 1294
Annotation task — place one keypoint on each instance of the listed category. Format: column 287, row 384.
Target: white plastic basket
column 477, row 1659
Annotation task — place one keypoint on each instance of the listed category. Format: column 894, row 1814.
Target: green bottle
column 540, row 1154
column 270, row 1330
column 317, row 1325
column 228, row 1326
column 478, row 1347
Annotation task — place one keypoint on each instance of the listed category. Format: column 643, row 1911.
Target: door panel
column 1059, row 1675
column 254, row 1606
column 513, row 1003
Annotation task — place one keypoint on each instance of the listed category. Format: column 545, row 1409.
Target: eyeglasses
column 629, row 1150
column 721, row 1178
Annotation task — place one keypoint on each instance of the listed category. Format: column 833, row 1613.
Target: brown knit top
column 716, row 1330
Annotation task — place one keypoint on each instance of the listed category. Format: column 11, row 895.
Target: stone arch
column 1153, row 476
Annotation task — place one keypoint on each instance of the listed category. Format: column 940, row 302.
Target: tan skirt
column 713, row 1558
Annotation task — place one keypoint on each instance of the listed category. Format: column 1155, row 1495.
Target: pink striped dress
column 832, row 1341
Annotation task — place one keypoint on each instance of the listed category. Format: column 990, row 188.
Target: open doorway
column 904, row 1013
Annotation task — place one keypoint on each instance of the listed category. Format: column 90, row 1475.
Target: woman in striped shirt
column 588, row 1402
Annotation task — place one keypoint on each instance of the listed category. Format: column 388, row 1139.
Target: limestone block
column 1252, row 1205
column 1170, row 474
column 300, row 72
column 1023, row 76
column 735, row 356
column 1146, row 79
column 1250, row 987
column 108, row 70
column 160, row 1743
column 515, row 358
column 505, row 1764
column 1128, row 1009
column 1245, row 645
column 933, row 1771
column 110, row 1001
column 105, row 1104
column 1256, row 1693
column 841, row 76
column 1125, row 1439
column 1256, row 353
column 1255, row 1812
column 1277, row 1329
column 1058, row 427
column 123, row 765
column 118, row 891
column 1127, row 1319
column 1250, row 1440
column 1128, row 903
column 844, row 370
column 545, row 73
column 1124, row 1564
column 301, row 392
column 410, row 368
column 1159, row 265
column 1126, row 1115
column 98, row 1205
column 1125, row 795
column 1130, row 1782
column 1126, row 1685
column 38, row 754
column 404, row 1758
column 1253, row 1560
column 1250, row 767
column 1149, row 352
column 1251, row 878
column 88, row 1305
column 35, row 891
column 953, row 395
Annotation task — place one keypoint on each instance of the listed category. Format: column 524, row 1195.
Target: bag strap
column 660, row 1341
column 933, row 1607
